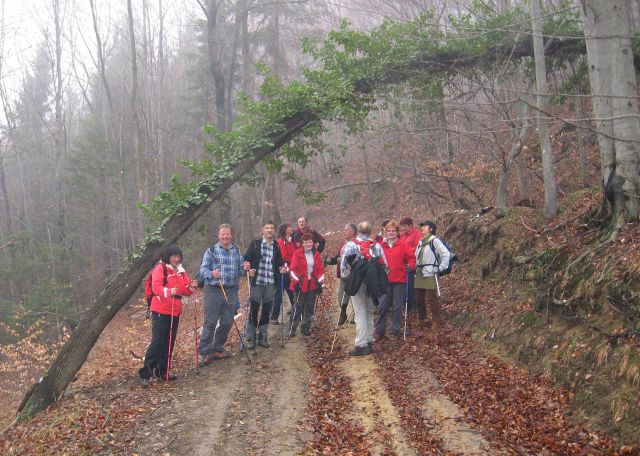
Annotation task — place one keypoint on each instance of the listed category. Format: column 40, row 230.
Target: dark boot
column 262, row 337
column 343, row 318
column 360, row 351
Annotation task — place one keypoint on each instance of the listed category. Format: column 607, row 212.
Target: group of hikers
column 395, row 271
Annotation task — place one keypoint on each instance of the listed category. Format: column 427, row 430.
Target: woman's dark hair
column 431, row 225
column 282, row 230
column 169, row 252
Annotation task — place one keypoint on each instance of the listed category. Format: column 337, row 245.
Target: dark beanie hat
column 170, row 251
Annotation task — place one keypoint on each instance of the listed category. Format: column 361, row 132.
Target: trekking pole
column 281, row 309
column 170, row 338
column 437, row 284
column 246, row 312
column 294, row 314
column 406, row 306
column 246, row 352
column 337, row 333
column 195, row 333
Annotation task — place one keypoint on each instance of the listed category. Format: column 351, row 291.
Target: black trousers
column 157, row 357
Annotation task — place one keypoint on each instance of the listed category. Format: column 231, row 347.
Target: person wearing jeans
column 221, row 266
column 400, row 259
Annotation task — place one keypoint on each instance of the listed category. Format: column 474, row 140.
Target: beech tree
column 612, row 75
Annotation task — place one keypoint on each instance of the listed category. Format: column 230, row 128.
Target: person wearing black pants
column 156, row 359
column 169, row 283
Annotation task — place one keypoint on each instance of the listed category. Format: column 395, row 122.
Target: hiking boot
column 263, row 343
column 305, row 332
column 219, row 355
column 171, row 378
column 204, row 360
column 360, row 351
column 379, row 337
column 343, row 319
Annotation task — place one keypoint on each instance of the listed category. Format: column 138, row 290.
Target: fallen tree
column 340, row 90
column 120, row 289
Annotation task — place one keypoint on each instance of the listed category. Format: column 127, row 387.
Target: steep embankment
column 557, row 299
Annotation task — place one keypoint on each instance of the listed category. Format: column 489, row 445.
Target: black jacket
column 254, row 254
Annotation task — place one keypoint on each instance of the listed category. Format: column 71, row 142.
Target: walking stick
column 170, row 338
column 246, row 310
column 406, row 306
column 437, row 284
column 281, row 309
column 295, row 307
column 235, row 324
column 195, row 332
column 335, row 336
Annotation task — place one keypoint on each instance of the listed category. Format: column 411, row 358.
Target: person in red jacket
column 169, row 283
column 307, row 276
column 411, row 236
column 285, row 242
column 400, row 259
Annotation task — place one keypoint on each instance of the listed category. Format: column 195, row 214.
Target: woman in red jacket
column 169, row 283
column 400, row 258
column 307, row 276
column 285, row 243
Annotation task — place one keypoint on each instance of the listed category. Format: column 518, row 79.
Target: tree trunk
column 548, row 174
column 215, row 69
column 118, row 291
column 137, row 129
column 614, row 88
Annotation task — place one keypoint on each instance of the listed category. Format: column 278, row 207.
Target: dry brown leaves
column 515, row 411
column 331, row 395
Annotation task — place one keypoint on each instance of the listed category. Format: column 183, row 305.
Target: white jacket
column 427, row 258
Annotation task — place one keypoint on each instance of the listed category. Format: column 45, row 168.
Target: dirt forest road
column 431, row 394
column 234, row 408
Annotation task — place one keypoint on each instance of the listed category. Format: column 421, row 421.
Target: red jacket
column 299, row 271
column 286, row 250
column 412, row 238
column 398, row 257
column 162, row 302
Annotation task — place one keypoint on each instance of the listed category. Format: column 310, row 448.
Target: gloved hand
column 319, row 288
column 297, row 288
column 411, row 272
column 333, row 260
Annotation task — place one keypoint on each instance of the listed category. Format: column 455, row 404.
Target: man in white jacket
column 431, row 257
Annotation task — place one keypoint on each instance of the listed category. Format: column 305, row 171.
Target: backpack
column 367, row 268
column 452, row 258
column 148, row 292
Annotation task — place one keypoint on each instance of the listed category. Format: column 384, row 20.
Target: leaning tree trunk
column 615, row 105
column 118, row 291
